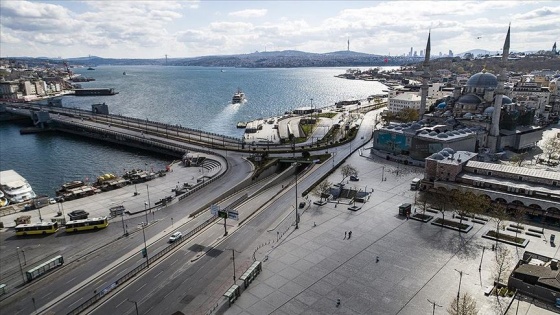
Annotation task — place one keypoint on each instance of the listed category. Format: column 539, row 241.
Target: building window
column 489, row 173
column 554, row 183
column 520, row 177
column 476, row 171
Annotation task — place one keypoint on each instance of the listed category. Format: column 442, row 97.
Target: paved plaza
column 314, row 266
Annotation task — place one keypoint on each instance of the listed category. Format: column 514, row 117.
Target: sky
column 178, row 29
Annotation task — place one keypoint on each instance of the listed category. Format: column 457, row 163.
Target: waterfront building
column 404, row 100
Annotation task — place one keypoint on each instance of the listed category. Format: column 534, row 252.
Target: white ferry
column 238, row 97
column 16, row 189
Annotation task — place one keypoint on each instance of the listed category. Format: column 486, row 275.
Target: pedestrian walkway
column 389, row 265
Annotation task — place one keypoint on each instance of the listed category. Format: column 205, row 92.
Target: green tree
column 408, row 114
column 498, row 214
column 518, row 159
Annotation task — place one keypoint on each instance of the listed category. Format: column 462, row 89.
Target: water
column 194, row 97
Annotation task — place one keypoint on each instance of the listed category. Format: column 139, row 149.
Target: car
column 301, row 205
column 175, row 236
column 78, row 215
column 52, row 201
column 354, row 178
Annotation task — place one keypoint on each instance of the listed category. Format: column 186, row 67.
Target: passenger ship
column 238, row 97
column 16, row 189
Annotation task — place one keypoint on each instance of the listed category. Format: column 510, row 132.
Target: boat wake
column 224, row 120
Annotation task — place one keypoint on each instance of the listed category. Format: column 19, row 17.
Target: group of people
column 349, row 234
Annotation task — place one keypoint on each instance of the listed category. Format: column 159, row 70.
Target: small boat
column 241, row 124
column 91, row 68
column 124, row 73
column 238, row 97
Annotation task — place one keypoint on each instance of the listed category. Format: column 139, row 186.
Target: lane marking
column 142, row 287
column 120, row 303
column 70, row 280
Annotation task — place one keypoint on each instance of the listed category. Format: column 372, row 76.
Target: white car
column 175, row 236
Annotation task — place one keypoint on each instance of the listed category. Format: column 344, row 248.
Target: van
column 175, row 236
column 415, row 184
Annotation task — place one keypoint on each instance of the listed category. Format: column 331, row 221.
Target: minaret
column 425, row 78
column 348, row 44
column 502, row 78
column 554, row 48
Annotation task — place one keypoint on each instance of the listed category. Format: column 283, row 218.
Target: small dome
column 442, row 135
column 489, row 111
column 437, row 156
column 424, row 132
column 449, row 150
column 444, row 153
column 467, row 115
column 415, row 126
column 433, row 133
column 505, row 100
column 447, row 113
column 483, row 80
column 469, row 99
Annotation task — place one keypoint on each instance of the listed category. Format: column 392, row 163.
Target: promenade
column 389, row 265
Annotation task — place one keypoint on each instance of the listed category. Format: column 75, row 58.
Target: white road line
column 159, row 273
column 75, row 302
column 142, row 287
column 70, row 280
column 120, row 303
column 168, row 294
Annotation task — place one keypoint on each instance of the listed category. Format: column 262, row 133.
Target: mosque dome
column 483, row 80
column 469, row 99
column 449, row 150
column 489, row 111
column 437, row 156
column 505, row 100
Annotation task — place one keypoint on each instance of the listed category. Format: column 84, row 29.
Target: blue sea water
column 195, row 97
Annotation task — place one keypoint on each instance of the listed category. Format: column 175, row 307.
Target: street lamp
column 434, row 306
column 146, row 210
column 233, row 258
column 148, row 190
column 297, row 215
column 459, row 289
column 135, row 304
column 19, row 260
column 145, row 246
column 24, row 259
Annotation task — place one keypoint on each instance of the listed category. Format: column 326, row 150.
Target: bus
column 415, row 184
column 37, row 228
column 87, row 224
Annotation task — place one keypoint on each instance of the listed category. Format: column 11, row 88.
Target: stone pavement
column 314, row 266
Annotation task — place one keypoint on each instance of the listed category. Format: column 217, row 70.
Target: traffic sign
column 234, row 215
column 214, row 209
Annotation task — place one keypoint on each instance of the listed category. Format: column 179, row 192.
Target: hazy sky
column 152, row 29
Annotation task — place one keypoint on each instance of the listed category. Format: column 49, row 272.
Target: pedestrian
column 345, row 235
column 314, row 224
column 337, row 302
column 349, row 234
column 377, row 259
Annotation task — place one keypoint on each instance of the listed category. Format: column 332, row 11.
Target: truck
column 415, row 184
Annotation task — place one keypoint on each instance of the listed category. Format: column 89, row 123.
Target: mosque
column 478, row 117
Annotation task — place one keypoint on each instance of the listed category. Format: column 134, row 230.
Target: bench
column 533, row 234
column 478, row 221
column 535, row 231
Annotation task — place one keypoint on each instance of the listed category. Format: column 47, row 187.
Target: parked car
column 354, row 178
column 78, row 215
column 175, row 236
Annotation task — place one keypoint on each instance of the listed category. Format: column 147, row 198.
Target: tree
column 408, row 114
column 551, row 146
column 323, row 189
column 466, row 203
column 498, row 214
column 467, row 306
column 426, row 198
column 347, row 171
column 518, row 159
column 443, row 202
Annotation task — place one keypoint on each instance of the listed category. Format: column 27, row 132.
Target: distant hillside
column 522, row 65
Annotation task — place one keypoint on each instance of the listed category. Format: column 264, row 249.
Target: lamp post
column 19, row 260
column 233, row 259
column 480, row 266
column 24, row 259
column 434, row 306
column 459, row 289
column 146, row 210
column 145, row 246
column 148, row 190
column 297, row 215
column 135, row 304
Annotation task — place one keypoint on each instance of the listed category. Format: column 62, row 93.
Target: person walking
column 349, row 234
column 337, row 302
column 345, row 234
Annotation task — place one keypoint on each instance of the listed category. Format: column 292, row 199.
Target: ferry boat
column 16, row 189
column 238, row 97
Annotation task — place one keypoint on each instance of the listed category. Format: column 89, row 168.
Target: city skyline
column 153, row 29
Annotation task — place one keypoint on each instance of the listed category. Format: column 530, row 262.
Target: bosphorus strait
column 195, row 97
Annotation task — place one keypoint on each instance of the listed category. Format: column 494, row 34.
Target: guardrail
column 97, row 296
